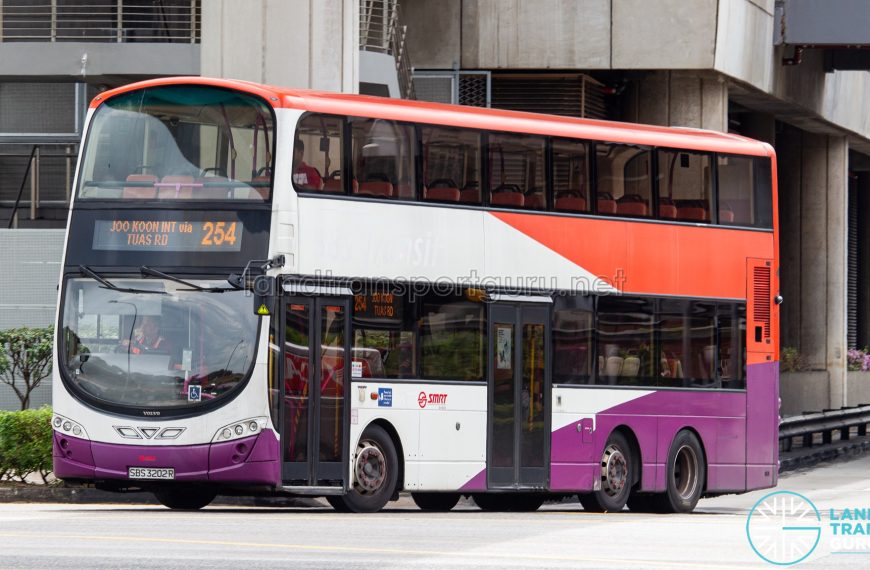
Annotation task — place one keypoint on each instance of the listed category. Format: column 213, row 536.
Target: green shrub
column 790, row 360
column 25, row 444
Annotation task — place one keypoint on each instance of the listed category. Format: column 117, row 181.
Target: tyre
column 617, row 477
column 686, row 474
column 436, row 502
column 375, row 474
column 185, row 498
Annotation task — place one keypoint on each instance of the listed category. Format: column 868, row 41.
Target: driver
column 304, row 174
column 147, row 337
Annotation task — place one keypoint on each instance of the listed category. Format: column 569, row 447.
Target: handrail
column 826, row 424
column 381, row 30
column 21, row 188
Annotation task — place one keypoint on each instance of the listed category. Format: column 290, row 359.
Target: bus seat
column 221, row 189
column 606, row 204
column 630, row 367
column 333, row 186
column 260, row 185
column 667, row 211
column 140, row 192
column 375, row 188
column 726, row 216
column 571, row 204
column 632, row 208
column 613, row 365
column 470, row 196
column 443, row 194
column 535, row 201
column 693, row 213
column 181, row 187
column 507, row 199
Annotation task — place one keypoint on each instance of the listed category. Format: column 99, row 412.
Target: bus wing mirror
column 265, row 295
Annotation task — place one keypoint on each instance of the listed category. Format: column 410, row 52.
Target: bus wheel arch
column 636, row 457
column 617, row 475
column 375, row 473
column 685, row 473
column 400, row 452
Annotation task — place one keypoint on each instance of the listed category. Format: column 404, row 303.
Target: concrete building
column 776, row 70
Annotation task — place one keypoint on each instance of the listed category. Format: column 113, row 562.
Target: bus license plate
column 150, row 473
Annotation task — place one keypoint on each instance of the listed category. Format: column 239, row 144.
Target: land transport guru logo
column 784, row 528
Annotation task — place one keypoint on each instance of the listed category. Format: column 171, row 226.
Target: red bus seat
column 535, row 201
column 375, row 188
column 443, row 194
column 470, row 196
column 693, row 213
column 667, row 210
column 726, row 216
column 507, row 199
column 140, row 192
column 571, row 204
column 632, row 208
column 606, row 205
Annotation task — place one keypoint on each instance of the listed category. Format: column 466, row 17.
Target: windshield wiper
column 147, row 271
column 106, row 284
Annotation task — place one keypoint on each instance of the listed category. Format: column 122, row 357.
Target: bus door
column 314, row 406
column 518, row 438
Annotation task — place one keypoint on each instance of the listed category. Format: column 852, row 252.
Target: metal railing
column 381, row 29
column 818, row 436
column 35, row 180
column 174, row 21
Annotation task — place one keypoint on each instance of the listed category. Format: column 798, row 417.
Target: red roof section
column 471, row 117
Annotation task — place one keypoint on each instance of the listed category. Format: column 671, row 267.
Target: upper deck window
column 624, row 176
column 517, row 171
column 179, row 142
column 745, row 191
column 317, row 154
column 685, row 186
column 451, row 165
column 383, row 159
column 570, row 176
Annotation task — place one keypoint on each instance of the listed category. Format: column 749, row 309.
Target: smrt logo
column 424, row 400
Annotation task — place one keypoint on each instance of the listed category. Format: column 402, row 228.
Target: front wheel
column 375, row 474
column 686, row 474
column 617, row 477
column 185, row 498
column 436, row 502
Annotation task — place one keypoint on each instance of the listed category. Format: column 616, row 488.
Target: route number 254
column 219, row 233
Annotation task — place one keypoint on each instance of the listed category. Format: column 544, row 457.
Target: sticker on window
column 503, row 347
column 356, row 369
column 194, row 393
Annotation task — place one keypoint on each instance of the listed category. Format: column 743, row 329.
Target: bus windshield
column 179, row 142
column 152, row 343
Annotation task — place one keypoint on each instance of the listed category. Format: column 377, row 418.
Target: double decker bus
column 280, row 291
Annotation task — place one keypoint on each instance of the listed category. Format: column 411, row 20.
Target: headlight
column 244, row 428
column 68, row 426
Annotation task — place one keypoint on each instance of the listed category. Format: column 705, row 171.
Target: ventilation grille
column 570, row 95
column 852, row 272
column 761, row 299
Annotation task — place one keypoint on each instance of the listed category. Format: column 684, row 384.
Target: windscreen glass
column 159, row 345
column 179, row 142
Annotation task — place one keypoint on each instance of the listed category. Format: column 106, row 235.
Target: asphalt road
column 563, row 535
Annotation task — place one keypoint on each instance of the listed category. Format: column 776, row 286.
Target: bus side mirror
column 265, row 289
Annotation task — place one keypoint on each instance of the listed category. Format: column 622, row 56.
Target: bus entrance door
column 518, row 442
column 314, row 438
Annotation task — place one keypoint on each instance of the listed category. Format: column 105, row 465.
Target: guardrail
column 36, row 178
column 175, row 21
column 819, row 436
column 382, row 30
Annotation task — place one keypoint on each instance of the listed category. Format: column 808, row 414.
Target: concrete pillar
column 788, row 156
column 837, row 267
column 678, row 98
column 295, row 43
column 863, row 189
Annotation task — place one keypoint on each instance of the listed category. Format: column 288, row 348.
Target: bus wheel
column 375, row 473
column 617, row 477
column 185, row 498
column 437, row 502
column 686, row 473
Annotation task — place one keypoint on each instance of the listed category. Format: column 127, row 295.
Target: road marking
column 365, row 550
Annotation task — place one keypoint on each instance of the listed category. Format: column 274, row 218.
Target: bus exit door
column 314, row 435
column 518, row 447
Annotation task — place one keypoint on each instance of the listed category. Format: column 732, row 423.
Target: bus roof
column 471, row 117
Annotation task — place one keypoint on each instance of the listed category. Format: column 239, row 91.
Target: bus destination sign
column 377, row 305
column 167, row 235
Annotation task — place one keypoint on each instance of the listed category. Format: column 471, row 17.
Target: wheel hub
column 614, row 471
column 686, row 472
column 371, row 468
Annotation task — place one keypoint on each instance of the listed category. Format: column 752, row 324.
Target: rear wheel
column 185, row 498
column 437, row 502
column 375, row 474
column 617, row 477
column 686, row 474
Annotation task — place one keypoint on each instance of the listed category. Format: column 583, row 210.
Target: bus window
column 731, row 324
column 451, row 165
column 688, row 344
column 452, row 338
column 626, row 341
column 745, row 191
column 570, row 176
column 384, row 335
column 623, row 180
column 317, row 161
column 685, row 186
column 179, row 142
column 572, row 340
column 516, row 172
column 383, row 159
